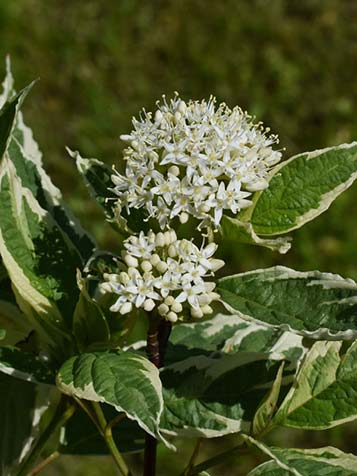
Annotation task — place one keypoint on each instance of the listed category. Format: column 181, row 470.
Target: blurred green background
column 292, row 63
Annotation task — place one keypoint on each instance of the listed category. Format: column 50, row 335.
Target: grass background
column 292, row 63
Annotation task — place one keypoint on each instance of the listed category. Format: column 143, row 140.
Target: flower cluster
column 160, row 271
column 194, row 159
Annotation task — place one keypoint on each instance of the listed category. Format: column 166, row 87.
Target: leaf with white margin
column 11, row 318
column 89, row 323
column 25, row 366
column 324, row 392
column 97, row 178
column 280, row 461
column 22, row 404
column 326, row 461
column 210, row 396
column 229, row 334
column 302, row 188
column 35, row 227
column 265, row 412
column 313, row 304
column 235, row 230
column 127, row 381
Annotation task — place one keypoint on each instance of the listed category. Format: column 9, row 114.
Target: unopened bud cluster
column 166, row 274
column 196, row 160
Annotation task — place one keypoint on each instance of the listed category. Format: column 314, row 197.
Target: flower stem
column 63, row 413
column 108, row 438
column 53, row 456
column 193, row 458
column 157, row 338
column 213, row 461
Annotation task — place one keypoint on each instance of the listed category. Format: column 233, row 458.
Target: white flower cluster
column 160, row 271
column 194, row 159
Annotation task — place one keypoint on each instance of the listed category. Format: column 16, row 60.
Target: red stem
column 157, row 338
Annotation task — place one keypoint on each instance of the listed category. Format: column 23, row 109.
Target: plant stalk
column 63, row 413
column 52, row 457
column 157, row 338
column 106, row 430
column 213, row 461
column 193, row 458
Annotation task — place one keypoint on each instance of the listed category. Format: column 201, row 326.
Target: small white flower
column 195, row 160
column 165, row 274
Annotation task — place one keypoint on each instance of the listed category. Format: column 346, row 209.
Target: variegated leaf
column 25, row 366
column 41, row 243
column 267, row 408
column 324, row 393
column 314, row 304
column 215, row 395
column 97, row 177
column 228, row 334
column 235, row 230
column 302, row 188
column 317, row 462
column 218, row 371
column 125, row 380
column 23, row 405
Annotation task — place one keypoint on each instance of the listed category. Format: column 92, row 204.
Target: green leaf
column 229, row 334
column 81, row 437
column 279, row 460
column 218, row 371
column 125, row 380
column 265, row 412
column 97, row 177
column 25, row 366
column 314, row 304
column 302, row 188
column 89, row 323
column 41, row 243
column 317, row 462
column 11, row 318
column 243, row 232
column 324, row 393
column 215, row 395
column 17, row 418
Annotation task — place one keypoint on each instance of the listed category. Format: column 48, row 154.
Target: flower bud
column 149, row 305
column 124, row 277
column 126, row 308
column 158, row 116
column 182, row 107
column 172, row 316
column 174, row 170
column 167, row 236
column 105, row 287
column 163, row 309
column 131, row 261
column 169, row 300
column 161, row 267
column 176, row 307
column 155, row 259
column 197, row 312
column 207, row 309
column 160, row 239
column 172, row 251
column 183, row 217
column 146, row 266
